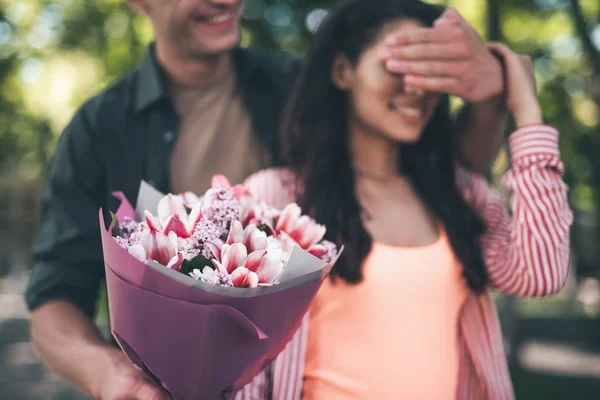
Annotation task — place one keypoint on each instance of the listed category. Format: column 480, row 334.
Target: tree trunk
column 494, row 27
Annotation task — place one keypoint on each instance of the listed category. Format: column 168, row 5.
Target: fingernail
column 395, row 65
column 408, row 79
column 392, row 40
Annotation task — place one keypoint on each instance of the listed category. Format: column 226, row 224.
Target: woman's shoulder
column 277, row 186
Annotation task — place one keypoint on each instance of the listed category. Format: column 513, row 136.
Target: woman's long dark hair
column 315, row 136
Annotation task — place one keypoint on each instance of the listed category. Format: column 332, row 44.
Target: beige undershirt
column 215, row 136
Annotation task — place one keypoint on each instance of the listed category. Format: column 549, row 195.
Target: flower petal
column 173, row 223
column 318, row 250
column 190, row 199
column 254, row 239
column 138, row 251
column 219, row 267
column 239, row 276
column 152, row 222
column 307, row 232
column 252, row 280
column 236, row 233
column 170, row 205
column 254, row 260
column 215, row 246
column 219, row 179
column 176, row 262
column 243, row 278
column 289, row 216
column 235, row 256
column 158, row 248
column 241, row 191
column 270, row 268
column 194, row 217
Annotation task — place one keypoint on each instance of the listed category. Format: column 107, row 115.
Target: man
column 197, row 105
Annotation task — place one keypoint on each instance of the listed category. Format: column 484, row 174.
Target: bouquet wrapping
column 205, row 292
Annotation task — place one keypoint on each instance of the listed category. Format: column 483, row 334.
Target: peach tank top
column 394, row 335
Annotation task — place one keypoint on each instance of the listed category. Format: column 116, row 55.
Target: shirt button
column 169, row 136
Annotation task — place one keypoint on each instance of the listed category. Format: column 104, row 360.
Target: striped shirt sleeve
column 283, row 380
column 526, row 248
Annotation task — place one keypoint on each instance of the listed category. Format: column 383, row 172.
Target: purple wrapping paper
column 196, row 345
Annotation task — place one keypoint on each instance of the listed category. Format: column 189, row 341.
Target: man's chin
column 217, row 47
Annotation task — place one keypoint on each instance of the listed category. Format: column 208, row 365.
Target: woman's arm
column 526, row 250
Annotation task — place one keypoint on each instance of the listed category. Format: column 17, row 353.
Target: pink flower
column 173, row 217
column 159, row 247
column 232, row 257
column 267, row 264
column 243, row 278
column 189, row 199
column 251, row 236
column 240, row 191
column 302, row 229
column 325, row 250
column 258, row 213
column 220, row 206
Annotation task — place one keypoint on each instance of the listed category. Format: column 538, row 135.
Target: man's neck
column 192, row 71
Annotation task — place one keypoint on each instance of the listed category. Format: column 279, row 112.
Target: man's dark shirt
column 116, row 139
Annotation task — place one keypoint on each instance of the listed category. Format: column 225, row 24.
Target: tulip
column 302, row 229
column 189, row 199
column 258, row 213
column 173, row 217
column 243, row 278
column 251, row 236
column 318, row 250
column 266, row 264
column 159, row 247
column 232, row 257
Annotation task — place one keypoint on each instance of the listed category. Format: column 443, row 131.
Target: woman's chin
column 407, row 137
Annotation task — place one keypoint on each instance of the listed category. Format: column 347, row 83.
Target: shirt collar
column 152, row 86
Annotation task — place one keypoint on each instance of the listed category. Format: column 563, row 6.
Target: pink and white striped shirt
column 526, row 253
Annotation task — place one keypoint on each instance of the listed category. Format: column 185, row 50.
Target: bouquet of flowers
column 205, row 291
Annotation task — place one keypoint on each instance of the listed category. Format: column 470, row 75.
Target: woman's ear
column 342, row 72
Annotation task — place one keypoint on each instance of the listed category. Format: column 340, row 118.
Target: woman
column 406, row 313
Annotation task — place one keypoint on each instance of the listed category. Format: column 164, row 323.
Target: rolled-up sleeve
column 67, row 249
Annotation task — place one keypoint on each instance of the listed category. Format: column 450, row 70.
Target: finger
column 439, row 84
column 150, row 392
column 428, row 68
column 450, row 17
column 501, row 49
column 430, row 51
column 424, row 35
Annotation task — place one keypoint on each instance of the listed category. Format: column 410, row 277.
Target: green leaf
column 186, row 267
column 199, row 262
column 116, row 231
column 265, row 228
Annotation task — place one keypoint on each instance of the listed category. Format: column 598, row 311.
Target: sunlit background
column 55, row 54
